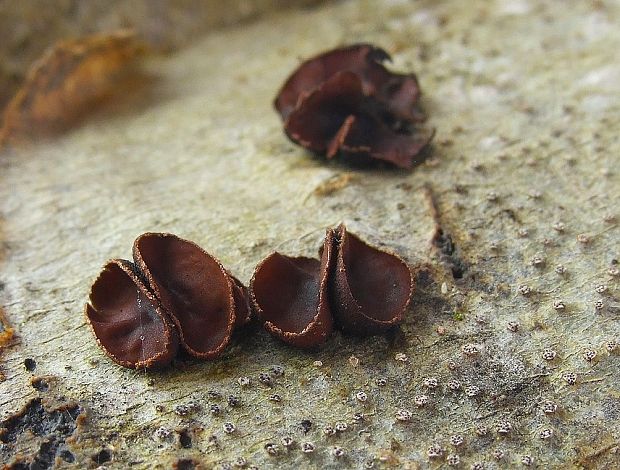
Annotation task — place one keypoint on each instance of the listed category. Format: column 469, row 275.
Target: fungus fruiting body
column 370, row 288
column 357, row 287
column 174, row 293
column 130, row 325
column 290, row 296
column 194, row 288
column 345, row 101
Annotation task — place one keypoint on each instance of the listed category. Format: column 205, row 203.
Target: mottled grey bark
column 524, row 172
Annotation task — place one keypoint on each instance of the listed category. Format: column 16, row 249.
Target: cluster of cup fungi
column 346, row 102
column 176, row 295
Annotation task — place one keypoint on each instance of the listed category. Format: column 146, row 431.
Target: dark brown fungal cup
column 174, row 293
column 370, row 289
column 345, row 101
column 363, row 290
column 290, row 297
column 127, row 320
column 201, row 297
column 332, row 106
column 400, row 91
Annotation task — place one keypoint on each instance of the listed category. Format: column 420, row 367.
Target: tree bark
column 513, row 216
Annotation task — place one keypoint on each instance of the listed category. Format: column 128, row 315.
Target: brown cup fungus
column 370, row 288
column 345, row 101
column 174, row 293
column 290, row 296
column 362, row 289
column 128, row 321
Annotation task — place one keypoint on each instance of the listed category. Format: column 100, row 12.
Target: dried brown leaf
column 67, row 81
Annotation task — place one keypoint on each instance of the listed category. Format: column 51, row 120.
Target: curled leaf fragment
column 66, row 81
column 345, row 101
column 127, row 320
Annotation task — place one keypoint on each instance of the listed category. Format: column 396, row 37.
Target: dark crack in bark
column 53, row 427
column 443, row 242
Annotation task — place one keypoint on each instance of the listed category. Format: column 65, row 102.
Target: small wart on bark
column 174, row 294
column 357, row 287
column 186, row 464
column 346, row 102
